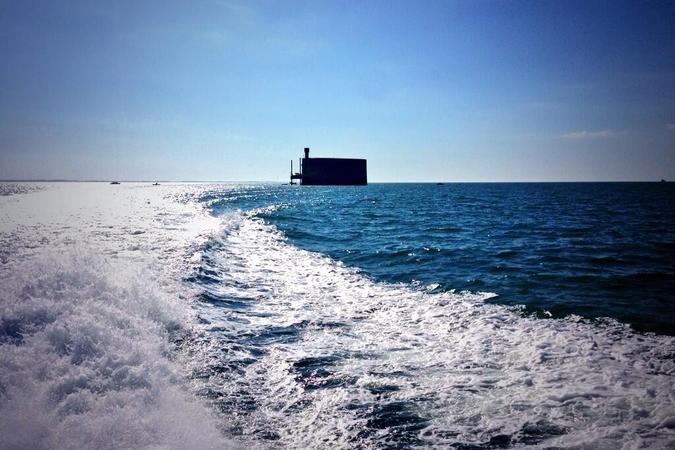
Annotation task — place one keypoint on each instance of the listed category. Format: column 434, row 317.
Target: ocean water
column 469, row 316
column 592, row 249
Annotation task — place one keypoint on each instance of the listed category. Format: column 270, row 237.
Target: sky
column 425, row 90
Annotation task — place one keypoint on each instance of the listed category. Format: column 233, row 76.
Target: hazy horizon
column 455, row 91
column 58, row 180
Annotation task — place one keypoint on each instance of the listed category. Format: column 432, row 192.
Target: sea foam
column 305, row 352
column 119, row 303
column 88, row 325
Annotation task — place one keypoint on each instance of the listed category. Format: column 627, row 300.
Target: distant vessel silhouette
column 330, row 171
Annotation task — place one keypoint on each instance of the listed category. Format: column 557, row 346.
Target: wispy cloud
column 585, row 134
column 671, row 126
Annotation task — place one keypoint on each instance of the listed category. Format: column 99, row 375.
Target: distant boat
column 155, row 184
column 440, row 184
column 114, row 182
column 663, row 181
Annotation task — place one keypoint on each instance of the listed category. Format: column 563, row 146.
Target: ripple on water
column 335, row 358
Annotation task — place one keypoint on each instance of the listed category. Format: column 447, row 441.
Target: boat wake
column 301, row 351
column 131, row 318
column 90, row 316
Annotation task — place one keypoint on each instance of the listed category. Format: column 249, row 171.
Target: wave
column 91, row 319
column 119, row 304
column 13, row 188
column 316, row 354
column 86, row 351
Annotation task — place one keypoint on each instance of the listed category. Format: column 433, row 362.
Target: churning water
column 387, row 316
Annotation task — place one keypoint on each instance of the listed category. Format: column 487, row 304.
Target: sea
column 388, row 316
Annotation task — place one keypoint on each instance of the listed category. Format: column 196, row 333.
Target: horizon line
column 64, row 180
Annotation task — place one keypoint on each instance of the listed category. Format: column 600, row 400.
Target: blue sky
column 425, row 90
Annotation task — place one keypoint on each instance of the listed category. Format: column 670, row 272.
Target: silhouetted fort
column 330, row 171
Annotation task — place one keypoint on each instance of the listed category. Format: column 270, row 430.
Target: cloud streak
column 671, row 126
column 584, row 134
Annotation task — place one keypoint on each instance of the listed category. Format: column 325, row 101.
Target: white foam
column 89, row 298
column 474, row 370
column 91, row 294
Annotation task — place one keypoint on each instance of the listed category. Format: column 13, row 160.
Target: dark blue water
column 590, row 249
